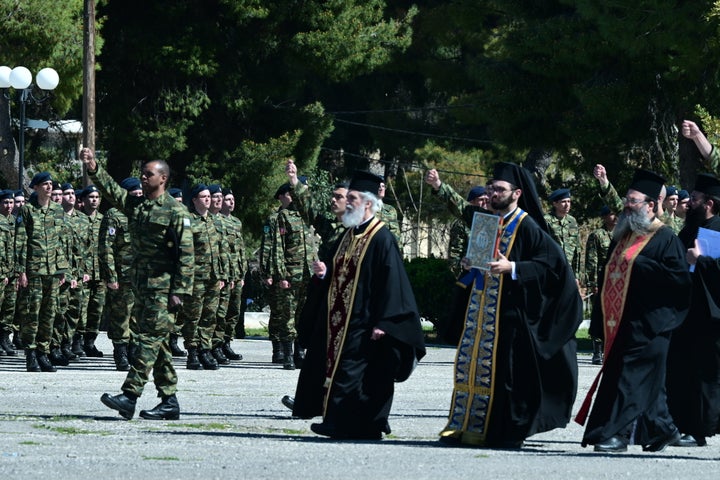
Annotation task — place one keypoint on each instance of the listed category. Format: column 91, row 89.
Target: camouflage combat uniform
column 8, row 259
column 115, row 257
column 566, row 232
column 389, row 216
column 596, row 250
column 285, row 256
column 163, row 260
column 230, row 303
column 42, row 258
column 94, row 288
column 325, row 223
column 198, row 315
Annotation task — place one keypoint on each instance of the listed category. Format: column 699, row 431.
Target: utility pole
column 88, row 113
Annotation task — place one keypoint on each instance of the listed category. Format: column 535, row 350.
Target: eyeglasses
column 633, row 201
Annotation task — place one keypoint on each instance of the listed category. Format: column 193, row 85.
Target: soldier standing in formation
column 596, row 249
column 42, row 266
column 115, row 256
column 389, row 216
column 7, row 272
column 94, row 297
column 285, row 263
column 564, row 228
column 198, row 316
column 162, row 243
column 236, row 245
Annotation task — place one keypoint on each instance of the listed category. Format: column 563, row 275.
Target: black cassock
column 693, row 377
column 362, row 389
column 632, row 388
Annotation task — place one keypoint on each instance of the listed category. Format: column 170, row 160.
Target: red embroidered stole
column 341, row 294
column 618, row 270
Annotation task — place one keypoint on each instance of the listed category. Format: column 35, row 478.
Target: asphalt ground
column 232, row 425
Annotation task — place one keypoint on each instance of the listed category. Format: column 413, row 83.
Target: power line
column 422, row 134
column 400, row 110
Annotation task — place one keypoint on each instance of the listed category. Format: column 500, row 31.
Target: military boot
column 193, row 363
column 77, row 347
column 175, row 348
column 289, row 363
column 123, row 403
column 120, row 355
column 57, row 358
column 45, row 363
column 89, row 345
column 229, row 352
column 6, row 345
column 299, row 355
column 207, row 360
column 31, row 363
column 597, row 357
column 17, row 341
column 67, row 351
column 278, row 356
column 167, row 409
column 218, row 354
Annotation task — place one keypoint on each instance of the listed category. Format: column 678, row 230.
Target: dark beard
column 695, row 217
column 500, row 204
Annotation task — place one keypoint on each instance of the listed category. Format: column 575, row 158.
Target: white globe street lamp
column 20, row 79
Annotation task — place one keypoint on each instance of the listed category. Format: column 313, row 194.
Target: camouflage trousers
column 60, row 327
column 37, row 325
column 228, row 314
column 94, row 301
column 7, row 306
column 118, row 313
column 152, row 354
column 198, row 316
column 285, row 306
column 73, row 312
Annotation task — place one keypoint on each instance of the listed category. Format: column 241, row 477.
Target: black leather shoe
column 663, row 443
column 289, row 402
column 121, row 403
column 323, row 429
column 168, row 409
column 330, row 431
column 686, row 441
column 612, row 444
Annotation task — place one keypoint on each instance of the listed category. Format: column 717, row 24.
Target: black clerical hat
column 507, row 172
column 708, row 184
column 364, row 181
column 647, row 182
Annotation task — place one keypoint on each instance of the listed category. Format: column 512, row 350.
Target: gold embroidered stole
column 475, row 363
column 618, row 270
column 341, row 294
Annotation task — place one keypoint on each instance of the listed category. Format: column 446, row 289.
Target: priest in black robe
column 516, row 364
column 367, row 333
column 693, row 377
column 644, row 295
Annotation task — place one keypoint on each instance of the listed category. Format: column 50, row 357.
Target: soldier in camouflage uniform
column 21, row 294
column 389, row 216
column 225, row 332
column 115, row 259
column 285, row 263
column 42, row 266
column 161, row 270
column 94, row 287
column 198, row 316
column 596, row 251
column 670, row 204
column 460, row 230
column 7, row 272
column 59, row 336
column 73, row 299
column 564, row 228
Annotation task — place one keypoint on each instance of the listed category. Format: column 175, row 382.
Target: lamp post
column 20, row 79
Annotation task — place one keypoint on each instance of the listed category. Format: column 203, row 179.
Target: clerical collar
column 361, row 228
column 510, row 214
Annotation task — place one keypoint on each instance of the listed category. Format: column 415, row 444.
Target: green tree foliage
column 38, row 34
column 227, row 89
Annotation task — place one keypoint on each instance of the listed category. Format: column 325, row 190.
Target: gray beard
column 632, row 221
column 352, row 218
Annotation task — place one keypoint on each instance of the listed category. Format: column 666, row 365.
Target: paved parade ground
column 232, row 425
